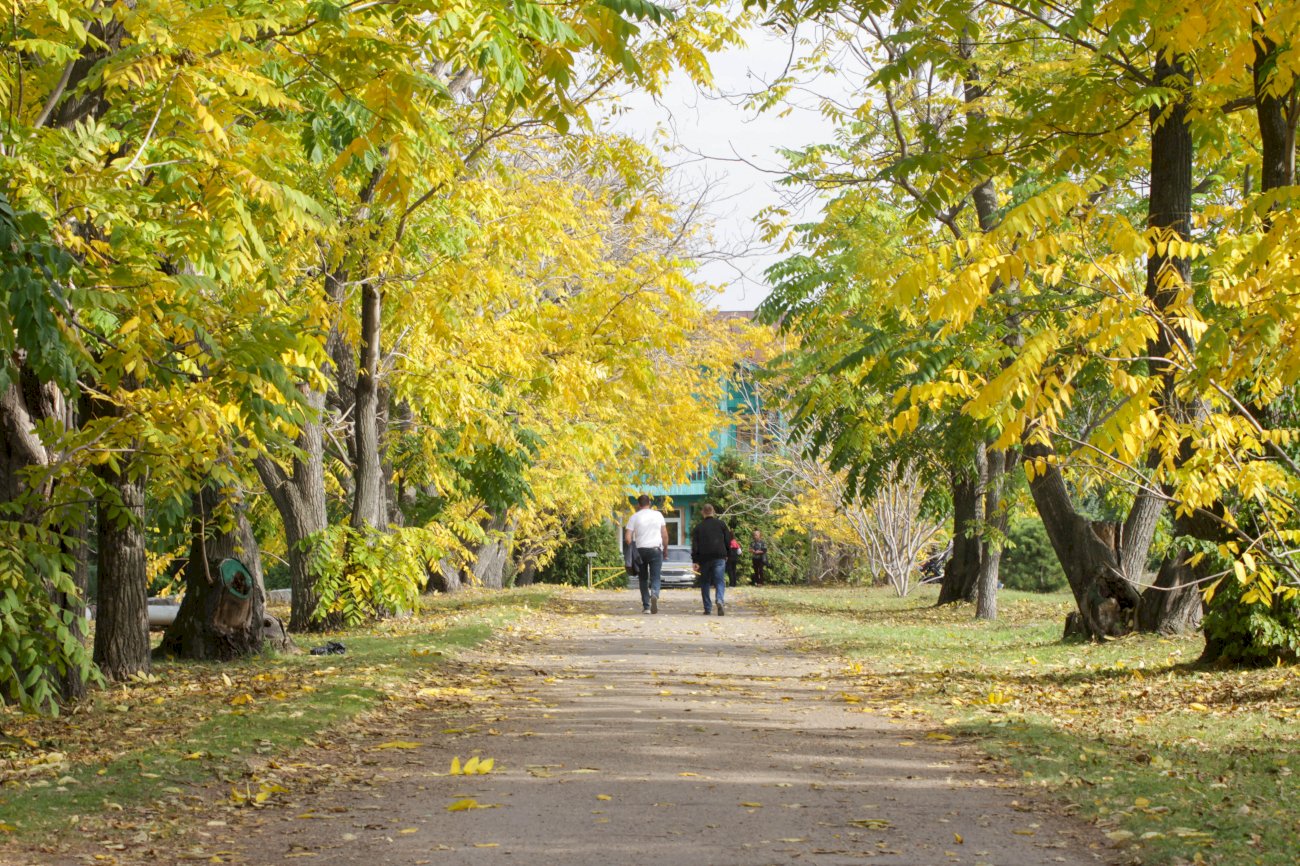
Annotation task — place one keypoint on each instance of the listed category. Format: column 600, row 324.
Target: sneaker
column 645, row 610
column 707, row 611
column 721, row 612
column 654, row 604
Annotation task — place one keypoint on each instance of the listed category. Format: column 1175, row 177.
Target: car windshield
column 676, row 554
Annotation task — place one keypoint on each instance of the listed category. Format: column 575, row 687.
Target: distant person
column 710, row 544
column 648, row 533
column 758, row 556
column 733, row 561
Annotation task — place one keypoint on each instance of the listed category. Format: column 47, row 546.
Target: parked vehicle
column 677, row 570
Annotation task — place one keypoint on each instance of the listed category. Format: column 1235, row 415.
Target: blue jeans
column 713, row 573
column 652, row 566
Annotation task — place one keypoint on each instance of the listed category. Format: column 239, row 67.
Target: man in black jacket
column 710, row 545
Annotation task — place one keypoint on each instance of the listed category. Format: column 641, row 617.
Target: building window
column 673, row 520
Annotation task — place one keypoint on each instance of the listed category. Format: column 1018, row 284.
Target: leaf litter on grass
column 1178, row 761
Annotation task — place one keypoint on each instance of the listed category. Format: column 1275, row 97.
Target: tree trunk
column 445, row 577
column 368, row 504
column 299, row 496
column 986, row 606
column 222, row 615
column 494, row 553
column 122, row 613
column 1166, row 606
column 1090, row 554
column 1276, row 132
column 961, row 572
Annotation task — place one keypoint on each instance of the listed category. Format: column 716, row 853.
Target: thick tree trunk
column 299, row 496
column 222, row 616
column 122, row 611
column 494, row 553
column 369, row 509
column 1090, row 554
column 445, row 577
column 1166, row 606
column 961, row 572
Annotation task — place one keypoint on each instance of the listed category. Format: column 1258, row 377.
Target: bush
column 570, row 563
column 1029, row 563
column 1237, row 632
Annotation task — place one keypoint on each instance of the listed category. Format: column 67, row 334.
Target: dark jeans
column 759, row 565
column 652, row 566
column 732, row 565
column 713, row 574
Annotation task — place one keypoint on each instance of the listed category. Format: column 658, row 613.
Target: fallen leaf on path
column 398, row 744
column 464, row 805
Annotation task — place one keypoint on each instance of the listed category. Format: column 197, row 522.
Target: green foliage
column 363, row 574
column 1252, row 634
column 1028, row 561
column 40, row 641
column 570, row 563
column 742, row 493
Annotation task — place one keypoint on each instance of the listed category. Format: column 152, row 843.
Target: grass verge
column 153, row 740
column 1178, row 763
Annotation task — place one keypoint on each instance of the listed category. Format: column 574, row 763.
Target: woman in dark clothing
column 733, row 561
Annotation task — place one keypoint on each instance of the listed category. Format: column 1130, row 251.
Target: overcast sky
column 714, row 140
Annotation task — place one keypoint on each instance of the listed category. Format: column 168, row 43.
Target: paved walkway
column 626, row 739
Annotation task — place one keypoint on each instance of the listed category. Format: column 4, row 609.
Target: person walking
column 758, row 556
column 710, row 544
column 648, row 533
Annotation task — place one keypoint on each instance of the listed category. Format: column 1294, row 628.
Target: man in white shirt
column 647, row 530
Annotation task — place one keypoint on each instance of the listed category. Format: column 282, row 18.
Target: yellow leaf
column 604, row 797
column 406, row 831
column 398, row 744
column 464, row 805
column 240, row 700
column 486, row 766
column 1198, row 707
column 752, row 805
column 471, row 767
column 455, row 767
column 956, row 837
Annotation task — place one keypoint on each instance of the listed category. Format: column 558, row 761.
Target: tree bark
column 369, row 500
column 1276, row 129
column 122, row 612
column 961, row 572
column 218, row 619
column 299, row 496
column 997, row 523
column 1165, row 607
column 445, row 577
column 494, row 553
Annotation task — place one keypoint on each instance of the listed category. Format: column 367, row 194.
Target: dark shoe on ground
column 707, row 611
column 721, row 610
column 654, row 604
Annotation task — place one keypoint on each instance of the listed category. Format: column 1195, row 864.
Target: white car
column 677, row 570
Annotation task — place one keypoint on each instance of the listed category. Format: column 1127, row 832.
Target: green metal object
column 237, row 579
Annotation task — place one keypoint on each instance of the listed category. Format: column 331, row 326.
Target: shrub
column 1029, row 563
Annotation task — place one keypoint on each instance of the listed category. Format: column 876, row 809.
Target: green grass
column 151, row 742
column 1196, row 764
